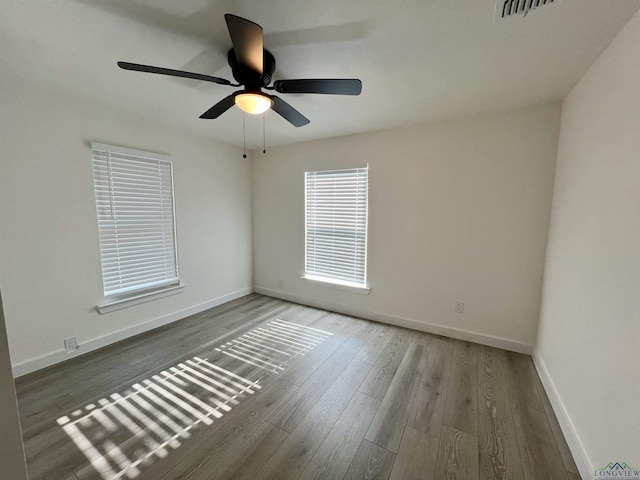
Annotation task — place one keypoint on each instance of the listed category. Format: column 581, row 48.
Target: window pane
column 136, row 220
column 336, row 224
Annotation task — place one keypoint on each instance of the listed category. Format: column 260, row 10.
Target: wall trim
column 585, row 467
column 459, row 334
column 58, row 356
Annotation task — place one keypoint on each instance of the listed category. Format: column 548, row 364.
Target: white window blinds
column 336, row 224
column 136, row 220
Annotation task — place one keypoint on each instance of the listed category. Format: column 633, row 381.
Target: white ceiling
column 419, row 60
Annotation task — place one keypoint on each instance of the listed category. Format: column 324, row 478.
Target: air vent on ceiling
column 508, row 8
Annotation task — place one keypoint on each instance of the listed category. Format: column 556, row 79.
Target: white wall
column 12, row 459
column 458, row 210
column 49, row 253
column 587, row 348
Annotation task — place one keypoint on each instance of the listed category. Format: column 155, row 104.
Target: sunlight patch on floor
column 272, row 346
column 125, row 432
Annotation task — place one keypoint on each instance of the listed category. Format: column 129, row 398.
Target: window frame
column 316, row 279
column 140, row 294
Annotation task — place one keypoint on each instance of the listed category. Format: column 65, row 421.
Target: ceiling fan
column 252, row 67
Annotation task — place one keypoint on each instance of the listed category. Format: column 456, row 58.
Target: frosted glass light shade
column 253, row 102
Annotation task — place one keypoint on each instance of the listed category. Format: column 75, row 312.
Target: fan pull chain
column 244, row 135
column 264, row 136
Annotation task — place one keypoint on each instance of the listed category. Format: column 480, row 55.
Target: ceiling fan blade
column 330, row 86
column 248, row 42
column 220, row 107
column 286, row 111
column 136, row 67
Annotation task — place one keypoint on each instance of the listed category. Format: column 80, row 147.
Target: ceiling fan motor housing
column 251, row 79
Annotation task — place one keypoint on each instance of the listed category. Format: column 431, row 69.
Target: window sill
column 337, row 284
column 113, row 305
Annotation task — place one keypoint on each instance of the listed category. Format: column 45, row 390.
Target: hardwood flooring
column 260, row 388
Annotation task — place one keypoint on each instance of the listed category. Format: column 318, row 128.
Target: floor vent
column 508, row 8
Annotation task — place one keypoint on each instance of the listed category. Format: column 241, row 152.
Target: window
column 136, row 220
column 336, row 226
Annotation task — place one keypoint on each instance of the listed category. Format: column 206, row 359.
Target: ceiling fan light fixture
column 254, row 103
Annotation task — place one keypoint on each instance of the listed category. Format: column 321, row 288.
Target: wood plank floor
column 260, row 388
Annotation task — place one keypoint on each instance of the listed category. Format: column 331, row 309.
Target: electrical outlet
column 71, row 344
column 280, row 284
column 459, row 307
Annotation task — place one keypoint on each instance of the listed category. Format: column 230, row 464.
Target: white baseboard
column 459, row 334
column 37, row 363
column 568, row 429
